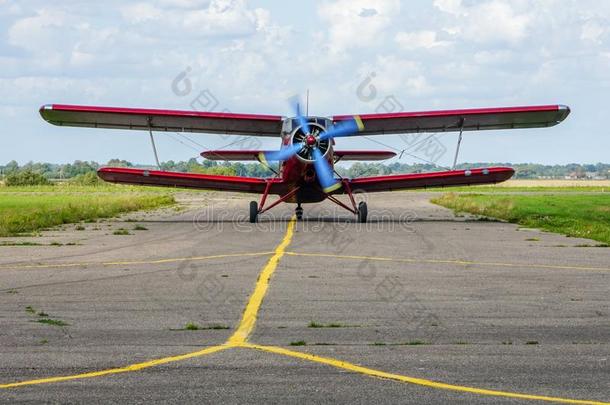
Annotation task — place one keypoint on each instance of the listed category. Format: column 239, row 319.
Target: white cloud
column 593, row 30
column 41, row 30
column 419, row 39
column 357, row 23
column 141, row 12
column 445, row 54
column 487, row 21
column 217, row 18
column 449, row 6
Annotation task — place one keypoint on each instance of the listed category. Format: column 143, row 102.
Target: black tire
column 363, row 211
column 253, row 211
column 299, row 213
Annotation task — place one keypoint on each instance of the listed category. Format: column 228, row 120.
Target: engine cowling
column 310, row 141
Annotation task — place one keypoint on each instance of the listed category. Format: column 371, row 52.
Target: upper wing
column 191, row 180
column 162, row 120
column 435, row 179
column 453, row 120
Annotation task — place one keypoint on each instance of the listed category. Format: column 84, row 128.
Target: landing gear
column 298, row 211
column 362, row 212
column 253, row 211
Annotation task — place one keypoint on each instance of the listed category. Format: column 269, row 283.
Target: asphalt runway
column 416, row 306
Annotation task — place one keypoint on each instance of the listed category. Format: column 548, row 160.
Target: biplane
column 308, row 152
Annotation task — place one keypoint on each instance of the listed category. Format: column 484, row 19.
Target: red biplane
column 307, row 154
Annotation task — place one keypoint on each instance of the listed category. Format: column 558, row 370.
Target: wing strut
column 457, row 149
column 152, row 141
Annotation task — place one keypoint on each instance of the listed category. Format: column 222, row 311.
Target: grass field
column 526, row 186
column 28, row 209
column 576, row 215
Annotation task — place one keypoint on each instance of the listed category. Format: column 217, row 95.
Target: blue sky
column 252, row 55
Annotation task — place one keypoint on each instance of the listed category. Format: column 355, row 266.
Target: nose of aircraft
column 310, row 140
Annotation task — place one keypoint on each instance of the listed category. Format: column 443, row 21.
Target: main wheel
column 299, row 212
column 362, row 212
column 253, row 211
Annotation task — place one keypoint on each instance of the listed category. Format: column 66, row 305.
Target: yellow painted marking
column 333, row 187
column 441, row 261
column 126, row 369
column 133, row 263
column 413, row 380
column 359, row 122
column 248, row 320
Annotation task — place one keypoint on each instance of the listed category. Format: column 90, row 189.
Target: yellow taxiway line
column 447, row 261
column 126, row 369
column 248, row 322
column 413, row 380
column 244, row 328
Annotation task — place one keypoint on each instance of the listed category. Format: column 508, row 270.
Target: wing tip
column 44, row 109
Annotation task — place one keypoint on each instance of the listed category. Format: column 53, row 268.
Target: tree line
column 54, row 171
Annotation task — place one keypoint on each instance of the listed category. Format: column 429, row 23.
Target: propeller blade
column 296, row 106
column 345, row 128
column 282, row 154
column 324, row 172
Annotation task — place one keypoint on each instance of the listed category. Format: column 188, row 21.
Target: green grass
column 216, row 327
column 29, row 209
column 523, row 189
column 314, row 324
column 298, row 343
column 191, row 326
column 121, row 231
column 20, row 243
column 194, row 326
column 417, row 343
column 53, row 322
column 582, row 216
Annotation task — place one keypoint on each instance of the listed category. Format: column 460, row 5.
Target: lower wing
column 436, row 179
column 191, row 180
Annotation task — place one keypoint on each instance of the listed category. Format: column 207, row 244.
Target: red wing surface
column 190, row 180
column 162, row 120
column 434, row 179
column 452, row 120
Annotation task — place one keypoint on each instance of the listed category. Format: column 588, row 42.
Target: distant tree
column 11, row 167
column 87, row 179
column 119, row 163
column 26, row 178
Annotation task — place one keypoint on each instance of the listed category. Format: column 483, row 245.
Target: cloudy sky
column 250, row 56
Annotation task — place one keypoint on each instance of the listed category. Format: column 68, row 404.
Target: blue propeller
column 324, row 172
column 311, row 143
column 345, row 128
column 296, row 106
column 282, row 154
